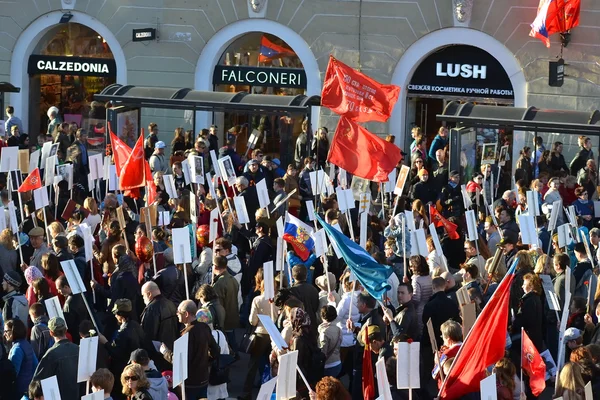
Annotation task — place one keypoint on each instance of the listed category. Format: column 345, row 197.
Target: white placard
column 589, row 393
column 196, row 165
column 280, row 227
column 113, row 180
column 215, row 163
column 270, row 327
column 266, row 390
column 182, row 251
column 342, row 178
column 418, row 243
column 364, row 220
column 269, row 280
column 407, row 367
column 54, row 308
column 164, row 218
column 193, row 207
column 409, row 217
column 73, row 276
column 564, row 235
column 214, row 225
column 382, row 380
column 99, row 395
column 471, row 225
column 556, row 208
column 49, row 170
column 318, row 182
column 438, row 246
column 391, row 183
column 596, row 209
column 349, row 199
column 286, row 385
column 364, row 202
column 401, row 181
column 226, row 169
column 240, row 207
column 488, row 388
column 533, row 203
column 96, row 163
column 170, row 187
column 211, row 186
column 310, row 208
column 2, row 218
column 34, row 161
column 551, row 298
column 466, row 199
column 180, row 359
column 185, row 169
column 528, row 233
column 9, row 159
column 319, row 238
column 50, row 388
column 12, row 213
column 88, row 240
column 88, row 353
column 263, row 193
column 279, row 259
column 40, row 197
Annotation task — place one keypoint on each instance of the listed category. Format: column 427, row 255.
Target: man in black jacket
column 261, row 252
column 451, row 196
column 74, row 308
column 250, row 198
column 61, row 360
column 424, row 189
column 170, row 280
column 306, row 293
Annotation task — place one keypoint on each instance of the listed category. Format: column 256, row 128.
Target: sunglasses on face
column 131, row 378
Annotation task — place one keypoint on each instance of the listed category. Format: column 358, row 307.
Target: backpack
column 317, row 364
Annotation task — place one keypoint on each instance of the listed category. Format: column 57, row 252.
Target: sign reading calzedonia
column 461, row 71
column 59, row 65
column 257, row 76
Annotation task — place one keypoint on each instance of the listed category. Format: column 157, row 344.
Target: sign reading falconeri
column 257, row 76
column 59, row 65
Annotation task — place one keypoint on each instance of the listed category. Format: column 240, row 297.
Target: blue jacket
column 23, row 358
column 293, row 260
column 438, row 143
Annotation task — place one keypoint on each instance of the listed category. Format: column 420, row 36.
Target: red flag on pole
column 354, row 95
column 438, row 220
column 120, row 150
column 362, row 153
column 368, row 379
column 32, row 182
column 533, row 364
column 555, row 16
column 483, row 346
column 132, row 172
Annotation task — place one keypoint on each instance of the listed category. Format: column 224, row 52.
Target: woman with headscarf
column 219, row 391
column 31, row 275
column 304, row 340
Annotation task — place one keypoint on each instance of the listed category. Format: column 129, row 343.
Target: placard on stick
column 469, row 315
column 50, row 388
column 382, row 381
column 88, row 353
column 54, row 308
column 73, row 276
column 9, row 159
column 488, row 388
column 286, row 384
column 266, row 390
column 240, row 207
column 407, row 367
column 182, row 252
column 180, row 360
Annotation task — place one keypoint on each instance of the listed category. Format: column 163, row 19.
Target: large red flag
column 362, row 153
column 368, row 379
column 32, row 182
column 533, row 364
column 133, row 171
column 438, row 220
column 120, row 150
column 555, row 16
column 354, row 95
column 483, row 346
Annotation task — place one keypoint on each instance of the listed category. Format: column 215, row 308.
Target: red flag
column 132, row 173
column 438, row 220
column 368, row 379
column 555, row 16
column 354, row 95
column 120, row 150
column 270, row 50
column 533, row 364
column 362, row 153
column 32, row 182
column 483, row 346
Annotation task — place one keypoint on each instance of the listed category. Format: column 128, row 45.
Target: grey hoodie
column 159, row 390
column 40, row 337
column 15, row 306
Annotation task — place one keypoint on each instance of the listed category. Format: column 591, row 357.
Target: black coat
column 440, row 308
column 75, row 312
column 251, row 198
column 530, row 317
column 129, row 337
column 423, row 191
column 452, row 201
column 159, row 321
column 580, row 160
column 309, row 296
column 171, row 283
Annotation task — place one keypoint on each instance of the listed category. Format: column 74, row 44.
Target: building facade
column 61, row 52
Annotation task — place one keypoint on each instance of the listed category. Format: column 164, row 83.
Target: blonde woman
column 420, row 214
column 8, row 254
column 570, row 384
column 93, row 219
column 135, row 384
column 55, row 229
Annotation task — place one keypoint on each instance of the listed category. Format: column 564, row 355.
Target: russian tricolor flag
column 270, row 50
column 298, row 234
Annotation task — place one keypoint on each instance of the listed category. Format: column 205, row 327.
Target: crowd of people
column 138, row 301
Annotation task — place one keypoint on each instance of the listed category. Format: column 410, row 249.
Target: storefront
column 260, row 63
column 68, row 66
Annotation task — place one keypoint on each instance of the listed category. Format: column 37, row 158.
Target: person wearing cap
column 38, row 243
column 423, row 190
column 202, row 347
column 573, row 339
column 255, row 173
column 451, row 196
column 61, row 360
column 508, row 226
column 507, row 244
column 15, row 303
column 159, row 389
column 128, row 338
column 439, row 142
column 279, row 171
column 158, row 161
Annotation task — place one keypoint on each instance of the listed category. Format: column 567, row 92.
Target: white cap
column 160, row 145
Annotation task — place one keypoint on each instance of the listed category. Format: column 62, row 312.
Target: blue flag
column 372, row 275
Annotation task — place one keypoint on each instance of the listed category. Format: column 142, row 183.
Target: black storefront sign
column 143, row 34
column 256, row 76
column 59, row 65
column 556, row 78
column 461, row 71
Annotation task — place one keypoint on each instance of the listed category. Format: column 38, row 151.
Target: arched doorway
column 216, row 48
column 29, row 40
column 400, row 123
